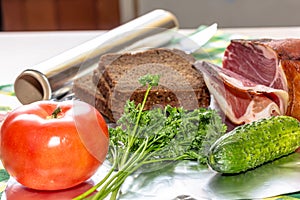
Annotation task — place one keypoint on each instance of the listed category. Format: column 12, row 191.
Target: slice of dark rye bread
column 85, row 90
column 117, row 74
column 116, row 80
column 113, row 66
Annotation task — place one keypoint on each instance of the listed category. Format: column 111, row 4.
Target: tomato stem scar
column 56, row 112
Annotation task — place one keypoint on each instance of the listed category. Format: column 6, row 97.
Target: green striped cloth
column 214, row 49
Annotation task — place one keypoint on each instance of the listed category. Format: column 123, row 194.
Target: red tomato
column 51, row 153
column 16, row 191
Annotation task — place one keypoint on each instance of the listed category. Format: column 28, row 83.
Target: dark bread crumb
column 116, row 80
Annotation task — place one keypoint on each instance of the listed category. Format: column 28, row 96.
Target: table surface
column 20, row 50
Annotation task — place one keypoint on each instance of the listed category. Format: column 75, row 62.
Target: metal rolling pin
column 45, row 80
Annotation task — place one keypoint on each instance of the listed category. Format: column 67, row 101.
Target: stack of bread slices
column 115, row 81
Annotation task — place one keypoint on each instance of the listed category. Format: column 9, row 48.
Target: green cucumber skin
column 251, row 145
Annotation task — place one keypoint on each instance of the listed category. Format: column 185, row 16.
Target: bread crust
column 181, row 85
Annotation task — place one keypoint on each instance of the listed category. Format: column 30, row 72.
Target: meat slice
column 266, row 71
column 256, row 61
column 241, row 99
column 270, row 63
column 286, row 69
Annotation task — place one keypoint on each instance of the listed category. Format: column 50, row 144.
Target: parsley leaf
column 146, row 137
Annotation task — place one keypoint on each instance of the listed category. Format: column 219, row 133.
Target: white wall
column 227, row 13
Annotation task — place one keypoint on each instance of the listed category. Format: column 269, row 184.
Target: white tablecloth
column 20, row 50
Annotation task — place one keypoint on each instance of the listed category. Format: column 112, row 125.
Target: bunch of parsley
column 158, row 135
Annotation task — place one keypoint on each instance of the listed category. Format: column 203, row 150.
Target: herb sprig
column 153, row 136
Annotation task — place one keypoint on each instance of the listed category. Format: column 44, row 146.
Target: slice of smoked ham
column 258, row 78
column 241, row 100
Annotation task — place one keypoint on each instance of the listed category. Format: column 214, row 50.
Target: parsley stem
column 153, row 136
column 114, row 183
column 115, row 193
column 141, row 109
column 95, row 187
column 133, row 134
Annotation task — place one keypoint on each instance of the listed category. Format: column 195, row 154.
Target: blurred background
column 40, row 15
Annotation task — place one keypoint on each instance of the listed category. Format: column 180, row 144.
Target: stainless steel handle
column 40, row 82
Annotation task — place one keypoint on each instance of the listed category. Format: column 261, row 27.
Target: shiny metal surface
column 40, row 82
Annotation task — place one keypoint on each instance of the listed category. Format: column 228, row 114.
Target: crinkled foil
column 49, row 79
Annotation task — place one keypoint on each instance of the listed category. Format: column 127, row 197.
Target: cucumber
column 251, row 145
